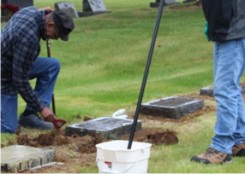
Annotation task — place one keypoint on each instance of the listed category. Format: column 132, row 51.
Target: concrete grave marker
column 166, row 2
column 68, row 6
column 91, row 7
column 173, row 107
column 106, row 126
column 209, row 90
column 17, row 158
column 97, row 5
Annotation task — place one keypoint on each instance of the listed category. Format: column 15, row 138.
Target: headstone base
column 108, row 127
column 173, row 107
column 93, row 7
column 209, row 91
column 17, row 158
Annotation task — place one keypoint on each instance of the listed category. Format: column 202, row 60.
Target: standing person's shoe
column 238, row 150
column 34, row 121
column 212, row 156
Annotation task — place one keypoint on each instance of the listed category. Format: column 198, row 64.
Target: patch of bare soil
column 155, row 136
column 78, row 151
column 75, row 152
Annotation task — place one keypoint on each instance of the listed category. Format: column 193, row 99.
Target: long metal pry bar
column 147, row 67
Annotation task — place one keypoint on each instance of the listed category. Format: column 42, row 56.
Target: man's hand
column 47, row 114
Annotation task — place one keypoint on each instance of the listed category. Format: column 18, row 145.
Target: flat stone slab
column 166, row 2
column 209, row 91
column 108, row 127
column 173, row 107
column 17, row 158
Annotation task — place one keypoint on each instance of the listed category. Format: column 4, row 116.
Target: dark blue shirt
column 20, row 46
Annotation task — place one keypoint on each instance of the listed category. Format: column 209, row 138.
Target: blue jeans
column 46, row 71
column 229, row 63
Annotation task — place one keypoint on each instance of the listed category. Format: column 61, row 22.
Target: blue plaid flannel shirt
column 20, row 46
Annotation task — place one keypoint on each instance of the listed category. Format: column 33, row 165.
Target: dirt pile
column 78, row 151
column 86, row 144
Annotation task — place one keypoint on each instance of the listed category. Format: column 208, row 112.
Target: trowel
column 58, row 123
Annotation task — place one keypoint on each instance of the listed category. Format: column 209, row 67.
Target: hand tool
column 147, row 67
column 58, row 123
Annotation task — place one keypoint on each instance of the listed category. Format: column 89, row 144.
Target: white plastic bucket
column 114, row 157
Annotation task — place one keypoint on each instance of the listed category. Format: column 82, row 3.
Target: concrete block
column 106, row 126
column 173, row 107
column 209, row 91
column 17, row 158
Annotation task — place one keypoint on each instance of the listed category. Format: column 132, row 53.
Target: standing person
column 226, row 27
column 20, row 47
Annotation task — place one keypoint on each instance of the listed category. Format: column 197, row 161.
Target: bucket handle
column 124, row 170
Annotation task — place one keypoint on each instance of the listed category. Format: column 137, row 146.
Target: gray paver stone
column 173, row 107
column 17, row 158
column 108, row 127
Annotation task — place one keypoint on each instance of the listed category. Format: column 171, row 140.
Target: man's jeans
column 229, row 63
column 46, row 71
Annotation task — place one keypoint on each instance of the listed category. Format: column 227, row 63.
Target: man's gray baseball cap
column 64, row 23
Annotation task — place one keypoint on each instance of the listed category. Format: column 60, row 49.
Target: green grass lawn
column 103, row 65
column 104, row 61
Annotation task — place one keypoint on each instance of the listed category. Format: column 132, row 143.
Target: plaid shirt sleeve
column 22, row 64
column 20, row 43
